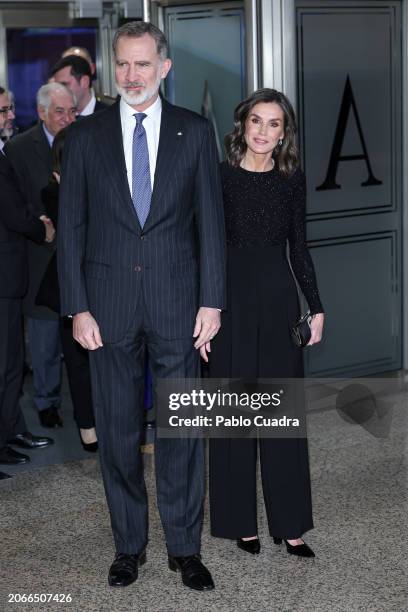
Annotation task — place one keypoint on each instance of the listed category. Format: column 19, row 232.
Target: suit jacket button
column 138, row 268
column 142, row 237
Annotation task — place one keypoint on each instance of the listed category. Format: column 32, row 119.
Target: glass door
column 33, row 37
column 31, row 53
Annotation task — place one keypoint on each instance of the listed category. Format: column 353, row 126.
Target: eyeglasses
column 7, row 109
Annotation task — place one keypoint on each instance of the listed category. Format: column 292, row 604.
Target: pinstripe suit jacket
column 106, row 260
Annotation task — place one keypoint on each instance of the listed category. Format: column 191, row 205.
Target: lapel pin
column 179, row 133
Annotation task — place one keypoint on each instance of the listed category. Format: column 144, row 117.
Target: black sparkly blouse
column 265, row 208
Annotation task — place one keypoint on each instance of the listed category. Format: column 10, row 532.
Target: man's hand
column 316, row 327
column 86, row 331
column 208, row 322
column 49, row 228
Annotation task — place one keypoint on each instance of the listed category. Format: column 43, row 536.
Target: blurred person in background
column 75, row 73
column 75, row 356
column 84, row 53
column 7, row 116
column 30, row 156
column 16, row 224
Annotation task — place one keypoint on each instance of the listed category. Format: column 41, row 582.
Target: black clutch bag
column 301, row 332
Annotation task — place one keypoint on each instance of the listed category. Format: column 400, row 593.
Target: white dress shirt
column 90, row 107
column 151, row 124
column 48, row 135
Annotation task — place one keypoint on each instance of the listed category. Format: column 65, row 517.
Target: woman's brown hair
column 286, row 155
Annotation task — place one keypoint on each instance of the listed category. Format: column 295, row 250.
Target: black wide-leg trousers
column 117, row 372
column 254, row 342
column 285, row 484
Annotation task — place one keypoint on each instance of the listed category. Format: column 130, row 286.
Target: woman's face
column 264, row 127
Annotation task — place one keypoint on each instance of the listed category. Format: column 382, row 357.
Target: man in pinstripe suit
column 141, row 261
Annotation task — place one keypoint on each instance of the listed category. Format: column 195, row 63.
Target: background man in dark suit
column 16, row 223
column 75, row 73
column 84, row 53
column 141, row 262
column 7, row 116
column 30, row 156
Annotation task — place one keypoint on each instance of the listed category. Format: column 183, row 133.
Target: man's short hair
column 79, row 67
column 137, row 29
column 45, row 92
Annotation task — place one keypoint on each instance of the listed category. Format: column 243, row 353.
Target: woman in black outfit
column 264, row 199
column 76, row 358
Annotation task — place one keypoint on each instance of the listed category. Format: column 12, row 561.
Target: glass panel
column 198, row 48
column 31, row 54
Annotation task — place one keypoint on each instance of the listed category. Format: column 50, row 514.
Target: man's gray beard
column 137, row 99
column 6, row 133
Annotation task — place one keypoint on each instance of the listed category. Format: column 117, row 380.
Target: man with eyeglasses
column 7, row 116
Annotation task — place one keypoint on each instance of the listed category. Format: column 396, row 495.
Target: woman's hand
column 316, row 327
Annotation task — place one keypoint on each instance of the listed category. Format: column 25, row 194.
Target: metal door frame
column 404, row 263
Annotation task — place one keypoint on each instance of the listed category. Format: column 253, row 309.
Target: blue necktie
column 141, row 185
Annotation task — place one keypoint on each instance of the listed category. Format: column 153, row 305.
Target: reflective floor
column 55, row 532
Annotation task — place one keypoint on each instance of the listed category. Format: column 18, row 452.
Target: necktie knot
column 139, row 118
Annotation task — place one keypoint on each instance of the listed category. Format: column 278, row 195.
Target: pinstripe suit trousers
column 117, row 387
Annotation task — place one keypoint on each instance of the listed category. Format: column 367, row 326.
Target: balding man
column 81, row 52
column 30, row 156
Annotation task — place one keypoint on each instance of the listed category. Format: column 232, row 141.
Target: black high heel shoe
column 90, row 447
column 300, row 550
column 250, row 546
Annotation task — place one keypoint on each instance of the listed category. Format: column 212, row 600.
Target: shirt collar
column 90, row 107
column 153, row 111
column 48, row 135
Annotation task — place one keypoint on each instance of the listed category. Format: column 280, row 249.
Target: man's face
column 61, row 112
column 139, row 70
column 7, row 115
column 79, row 89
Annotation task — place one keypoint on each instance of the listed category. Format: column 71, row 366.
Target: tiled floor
column 55, row 534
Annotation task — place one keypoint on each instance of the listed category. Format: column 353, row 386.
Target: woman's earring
column 280, row 141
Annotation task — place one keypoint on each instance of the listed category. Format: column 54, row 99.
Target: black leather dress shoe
column 300, row 550
column 50, row 417
column 250, row 546
column 194, row 574
column 124, row 569
column 11, row 457
column 28, row 440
